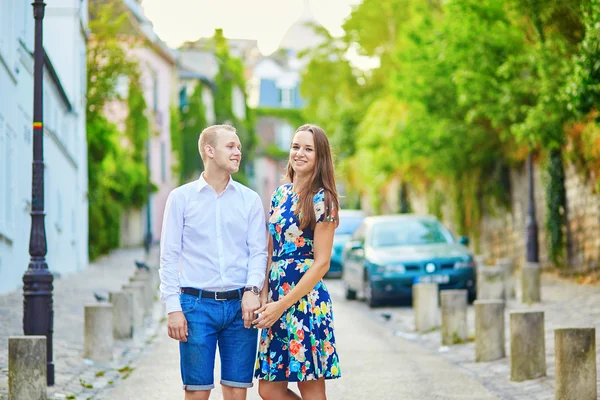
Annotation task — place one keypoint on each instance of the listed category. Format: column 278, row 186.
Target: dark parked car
column 349, row 221
column 388, row 254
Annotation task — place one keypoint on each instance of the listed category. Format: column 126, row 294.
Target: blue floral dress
column 301, row 345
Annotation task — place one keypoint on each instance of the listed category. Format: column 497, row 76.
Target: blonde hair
column 209, row 137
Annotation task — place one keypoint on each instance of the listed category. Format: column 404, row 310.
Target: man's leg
column 197, row 395
column 237, row 347
column 197, row 355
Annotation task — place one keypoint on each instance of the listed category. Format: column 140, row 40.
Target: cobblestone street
column 76, row 377
column 565, row 305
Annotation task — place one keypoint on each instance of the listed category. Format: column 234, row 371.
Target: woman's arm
column 323, row 243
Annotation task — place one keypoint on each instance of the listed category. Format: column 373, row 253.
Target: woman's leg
column 275, row 391
column 313, row 390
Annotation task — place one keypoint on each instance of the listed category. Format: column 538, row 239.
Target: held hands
column 268, row 314
column 177, row 325
column 250, row 303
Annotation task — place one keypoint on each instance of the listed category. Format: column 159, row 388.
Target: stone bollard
column 425, row 306
column 98, row 332
column 527, row 345
column 508, row 266
column 148, row 293
column 27, row 368
column 531, row 283
column 137, row 288
column 454, row 316
column 122, row 314
column 490, row 283
column 575, row 364
column 489, row 330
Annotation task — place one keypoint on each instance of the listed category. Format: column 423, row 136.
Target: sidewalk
column 565, row 305
column 75, row 376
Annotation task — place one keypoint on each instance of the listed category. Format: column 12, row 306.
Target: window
column 122, row 87
column 287, row 97
column 3, row 173
column 284, row 136
column 163, row 161
column 155, row 91
column 9, row 190
column 7, row 38
column 59, row 211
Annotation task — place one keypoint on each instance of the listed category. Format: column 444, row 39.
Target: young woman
column 297, row 342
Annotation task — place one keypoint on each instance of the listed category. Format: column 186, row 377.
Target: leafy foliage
column 193, row 121
column 463, row 90
column 117, row 174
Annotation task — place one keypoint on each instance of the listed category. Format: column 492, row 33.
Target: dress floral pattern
column 301, row 345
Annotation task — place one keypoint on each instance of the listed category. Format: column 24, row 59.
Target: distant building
column 198, row 65
column 275, row 83
column 65, row 148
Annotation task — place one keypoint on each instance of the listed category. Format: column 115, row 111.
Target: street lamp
column 532, row 229
column 38, row 314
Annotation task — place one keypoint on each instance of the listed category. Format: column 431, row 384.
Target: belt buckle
column 217, row 297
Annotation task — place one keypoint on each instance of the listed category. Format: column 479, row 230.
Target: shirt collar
column 202, row 183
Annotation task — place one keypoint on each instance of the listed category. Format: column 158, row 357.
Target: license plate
column 434, row 279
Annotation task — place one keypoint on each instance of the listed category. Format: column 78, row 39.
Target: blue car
column 388, row 254
column 349, row 221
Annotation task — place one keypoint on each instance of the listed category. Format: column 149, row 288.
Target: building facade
column 65, row 149
column 159, row 82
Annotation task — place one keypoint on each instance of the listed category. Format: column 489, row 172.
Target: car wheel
column 350, row 293
column 369, row 293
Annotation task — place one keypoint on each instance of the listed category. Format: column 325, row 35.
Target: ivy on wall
column 117, row 175
column 193, row 121
column 230, row 76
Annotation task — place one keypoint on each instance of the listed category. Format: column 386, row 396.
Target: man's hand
column 264, row 298
column 250, row 303
column 177, row 325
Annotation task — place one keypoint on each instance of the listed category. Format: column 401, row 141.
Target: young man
column 212, row 268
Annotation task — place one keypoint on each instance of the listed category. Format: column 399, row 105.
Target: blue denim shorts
column 213, row 323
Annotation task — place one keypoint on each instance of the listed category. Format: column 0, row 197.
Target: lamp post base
column 38, row 314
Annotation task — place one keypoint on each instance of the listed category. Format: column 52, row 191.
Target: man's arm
column 170, row 252
column 256, row 240
column 257, row 246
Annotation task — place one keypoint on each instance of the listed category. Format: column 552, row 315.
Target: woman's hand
column 268, row 314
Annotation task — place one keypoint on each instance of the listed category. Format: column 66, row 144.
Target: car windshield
column 348, row 224
column 409, row 232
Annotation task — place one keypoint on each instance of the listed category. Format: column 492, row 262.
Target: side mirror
column 463, row 240
column 356, row 246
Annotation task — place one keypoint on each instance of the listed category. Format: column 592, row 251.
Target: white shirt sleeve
column 257, row 246
column 170, row 252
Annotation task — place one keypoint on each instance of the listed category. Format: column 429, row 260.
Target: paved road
column 375, row 364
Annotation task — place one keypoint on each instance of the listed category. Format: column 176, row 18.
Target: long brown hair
column 322, row 177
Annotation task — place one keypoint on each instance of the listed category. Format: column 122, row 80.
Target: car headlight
column 397, row 268
column 464, row 264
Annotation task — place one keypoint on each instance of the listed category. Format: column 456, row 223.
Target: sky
column 177, row 21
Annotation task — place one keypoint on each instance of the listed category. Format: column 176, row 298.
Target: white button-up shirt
column 211, row 242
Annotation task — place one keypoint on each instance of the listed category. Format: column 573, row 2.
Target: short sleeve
column 323, row 213
column 274, row 200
